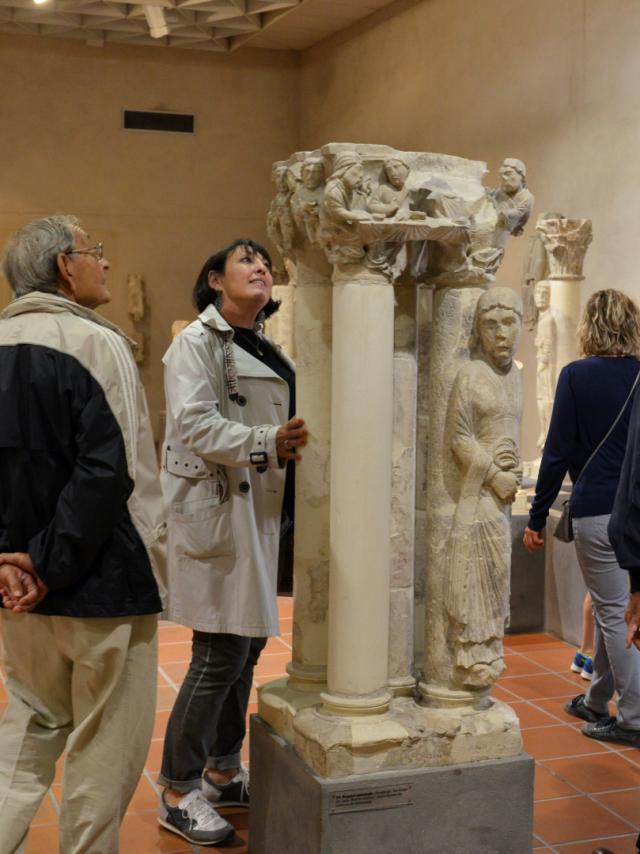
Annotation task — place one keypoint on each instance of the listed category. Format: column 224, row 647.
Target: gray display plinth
column 527, row 575
column 475, row 808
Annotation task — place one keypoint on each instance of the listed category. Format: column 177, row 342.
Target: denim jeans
column 615, row 668
column 208, row 722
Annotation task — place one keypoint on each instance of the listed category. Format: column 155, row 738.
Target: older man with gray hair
column 81, row 536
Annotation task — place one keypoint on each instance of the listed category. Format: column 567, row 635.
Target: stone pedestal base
column 481, row 807
column 408, row 736
column 281, row 700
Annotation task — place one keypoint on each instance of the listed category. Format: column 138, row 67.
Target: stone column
column 313, row 335
column 401, row 606
column 566, row 242
column 361, row 428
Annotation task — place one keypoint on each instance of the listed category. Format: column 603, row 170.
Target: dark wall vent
column 162, row 122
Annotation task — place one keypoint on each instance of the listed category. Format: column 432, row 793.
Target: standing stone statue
column 546, row 343
column 483, row 431
column 513, row 201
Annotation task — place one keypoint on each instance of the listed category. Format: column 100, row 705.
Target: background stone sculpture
column 136, row 309
column 566, row 242
column 135, row 297
column 546, row 343
column 536, row 268
column 556, row 258
column 484, row 426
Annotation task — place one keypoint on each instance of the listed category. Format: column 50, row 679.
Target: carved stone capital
column 566, row 242
column 394, row 212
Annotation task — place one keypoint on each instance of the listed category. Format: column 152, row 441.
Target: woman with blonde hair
column 587, row 438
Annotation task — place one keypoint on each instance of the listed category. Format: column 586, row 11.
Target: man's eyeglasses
column 96, row 251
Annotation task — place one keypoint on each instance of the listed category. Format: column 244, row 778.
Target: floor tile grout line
column 164, row 675
column 636, row 827
column 591, row 840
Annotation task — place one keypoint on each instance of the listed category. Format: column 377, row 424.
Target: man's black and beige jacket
column 79, row 487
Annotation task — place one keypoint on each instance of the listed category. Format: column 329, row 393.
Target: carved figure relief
column 391, row 199
column 512, row 200
column 483, row 426
column 338, row 215
column 280, row 223
column 306, row 201
column 475, row 253
column 546, row 343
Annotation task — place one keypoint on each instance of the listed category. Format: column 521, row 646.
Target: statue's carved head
column 497, row 326
column 312, row 173
column 397, row 171
column 542, row 295
column 513, row 175
column 348, row 167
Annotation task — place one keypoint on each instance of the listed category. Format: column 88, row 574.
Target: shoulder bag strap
column 610, row 430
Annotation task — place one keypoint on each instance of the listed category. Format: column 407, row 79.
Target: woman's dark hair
column 204, row 295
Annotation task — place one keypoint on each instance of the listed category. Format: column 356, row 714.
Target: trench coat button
column 244, row 486
column 241, row 400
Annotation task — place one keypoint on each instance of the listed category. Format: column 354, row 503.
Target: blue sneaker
column 578, row 662
column 587, row 670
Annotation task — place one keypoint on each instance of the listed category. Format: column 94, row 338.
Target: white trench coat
column 223, row 513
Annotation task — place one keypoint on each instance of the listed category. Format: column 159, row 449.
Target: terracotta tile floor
column 586, row 794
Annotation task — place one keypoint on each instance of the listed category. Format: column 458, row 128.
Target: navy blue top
column 589, row 395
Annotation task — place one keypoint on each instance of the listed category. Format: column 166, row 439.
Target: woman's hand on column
column 632, row 619
column 290, row 437
column 533, row 540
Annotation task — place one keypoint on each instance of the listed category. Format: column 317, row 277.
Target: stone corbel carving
column 483, row 426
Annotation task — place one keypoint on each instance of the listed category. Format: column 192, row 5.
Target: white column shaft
column 362, row 400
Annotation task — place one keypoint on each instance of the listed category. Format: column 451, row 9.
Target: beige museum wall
column 159, row 202
column 554, row 83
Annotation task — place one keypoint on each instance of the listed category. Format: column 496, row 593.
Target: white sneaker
column 195, row 820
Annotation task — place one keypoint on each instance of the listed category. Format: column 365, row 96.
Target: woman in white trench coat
column 231, row 429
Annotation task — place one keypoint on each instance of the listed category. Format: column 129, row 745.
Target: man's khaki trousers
column 87, row 686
